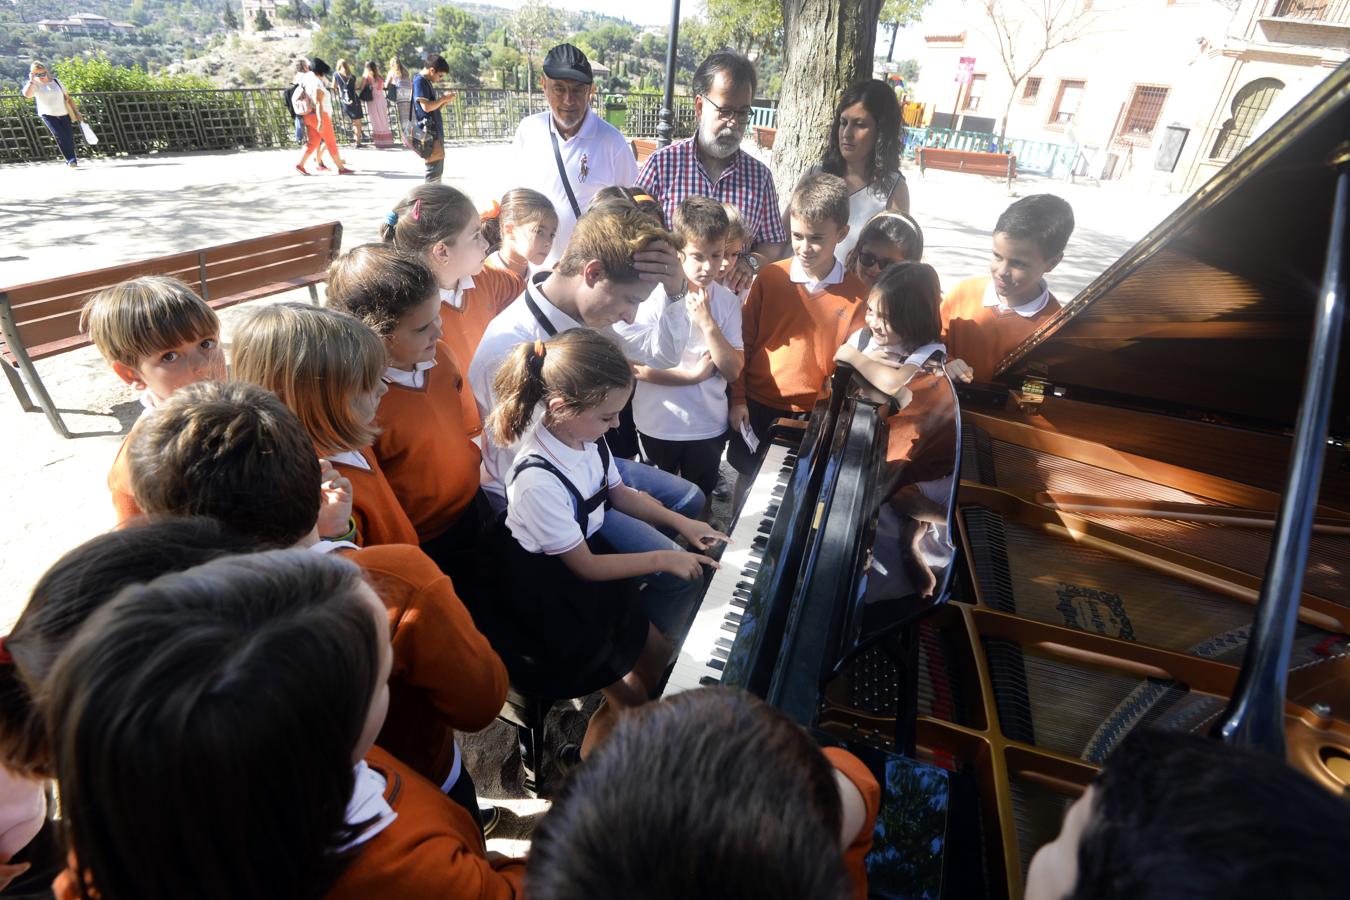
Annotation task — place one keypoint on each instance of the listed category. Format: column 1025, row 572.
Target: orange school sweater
column 119, row 485
column 857, row 772
column 445, row 676
column 981, row 335
column 424, row 448
column 432, row 851
column 461, row 329
column 791, row 337
column 380, row 518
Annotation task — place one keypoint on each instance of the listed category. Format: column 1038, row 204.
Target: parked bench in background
column 764, row 137
column 42, row 318
column 643, row 148
column 1000, row 165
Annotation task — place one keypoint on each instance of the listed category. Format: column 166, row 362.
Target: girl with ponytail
column 567, row 619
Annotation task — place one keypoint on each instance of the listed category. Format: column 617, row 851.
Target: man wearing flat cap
column 569, row 153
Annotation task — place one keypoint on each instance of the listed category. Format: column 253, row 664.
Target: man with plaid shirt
column 712, row 164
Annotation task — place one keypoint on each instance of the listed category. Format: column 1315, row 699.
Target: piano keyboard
column 707, row 646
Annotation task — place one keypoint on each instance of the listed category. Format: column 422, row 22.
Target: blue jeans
column 667, row 599
column 63, row 129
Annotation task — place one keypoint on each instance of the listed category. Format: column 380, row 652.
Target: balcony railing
column 1330, row 11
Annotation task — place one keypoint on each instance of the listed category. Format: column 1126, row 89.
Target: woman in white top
column 402, row 82
column 865, row 143
column 55, row 106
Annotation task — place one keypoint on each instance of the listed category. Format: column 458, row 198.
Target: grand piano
column 1099, row 556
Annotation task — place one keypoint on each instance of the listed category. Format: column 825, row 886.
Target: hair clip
column 417, row 209
column 492, row 212
column 6, row 659
column 539, row 349
column 391, row 219
column 643, row 198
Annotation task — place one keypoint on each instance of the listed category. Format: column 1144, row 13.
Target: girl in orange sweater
column 423, row 446
column 441, row 225
column 213, row 735
column 328, row 366
column 520, row 231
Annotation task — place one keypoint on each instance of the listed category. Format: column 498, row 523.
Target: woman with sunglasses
column 865, row 143
column 56, row 108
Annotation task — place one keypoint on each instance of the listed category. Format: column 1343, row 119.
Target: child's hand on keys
column 682, row 564
column 335, row 501
column 701, row 534
column 960, row 370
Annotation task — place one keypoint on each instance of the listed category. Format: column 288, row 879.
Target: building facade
column 1159, row 92
column 250, row 16
column 86, row 23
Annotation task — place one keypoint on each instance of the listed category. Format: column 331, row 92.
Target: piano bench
column 529, row 713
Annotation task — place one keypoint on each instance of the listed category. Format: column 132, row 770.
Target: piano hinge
column 1032, row 394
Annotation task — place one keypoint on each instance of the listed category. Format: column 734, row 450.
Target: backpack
column 299, row 102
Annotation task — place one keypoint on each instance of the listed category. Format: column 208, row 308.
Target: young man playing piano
column 984, row 319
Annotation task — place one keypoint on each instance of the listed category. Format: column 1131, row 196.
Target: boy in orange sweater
column 985, row 319
column 157, row 335
column 237, row 454
column 798, row 313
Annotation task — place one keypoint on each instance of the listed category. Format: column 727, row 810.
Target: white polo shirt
column 540, row 511
column 597, row 156
column 692, row 412
column 656, row 338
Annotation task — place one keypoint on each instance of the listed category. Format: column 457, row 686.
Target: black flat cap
column 565, row 62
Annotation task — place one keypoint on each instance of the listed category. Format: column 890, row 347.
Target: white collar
column 583, row 131
column 148, row 400
column 551, row 312
column 367, row 803
column 455, row 296
column 351, row 458
column 567, row 457
column 1026, row 310
column 799, row 275
column 922, row 355
column 325, row 547
column 414, row 379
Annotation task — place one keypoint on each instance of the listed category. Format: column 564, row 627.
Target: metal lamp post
column 665, row 128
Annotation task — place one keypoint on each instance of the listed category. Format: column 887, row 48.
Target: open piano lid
column 1210, row 315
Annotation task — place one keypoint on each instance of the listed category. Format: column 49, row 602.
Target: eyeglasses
column 729, row 115
column 574, row 92
column 872, row 261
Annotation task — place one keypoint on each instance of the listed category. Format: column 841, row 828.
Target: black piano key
column 717, row 664
column 709, row 681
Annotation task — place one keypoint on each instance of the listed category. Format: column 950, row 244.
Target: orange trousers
column 322, row 134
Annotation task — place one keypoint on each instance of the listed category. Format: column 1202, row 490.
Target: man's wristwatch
column 753, row 262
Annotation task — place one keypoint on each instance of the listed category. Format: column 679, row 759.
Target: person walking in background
column 348, row 89
column 402, row 82
column 319, row 123
column 377, row 108
column 427, row 109
column 56, row 108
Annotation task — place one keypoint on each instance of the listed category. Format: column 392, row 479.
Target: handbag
column 422, row 141
column 366, row 94
column 89, row 136
column 391, row 92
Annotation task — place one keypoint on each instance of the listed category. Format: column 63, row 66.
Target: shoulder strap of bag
column 562, row 173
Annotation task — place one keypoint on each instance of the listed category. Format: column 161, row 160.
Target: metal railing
column 1033, row 157
column 1333, row 11
column 140, row 122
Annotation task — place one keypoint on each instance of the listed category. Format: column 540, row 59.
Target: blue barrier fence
column 1033, row 157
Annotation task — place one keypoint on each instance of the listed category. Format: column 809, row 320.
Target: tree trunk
column 827, row 45
column 890, row 54
column 1007, row 111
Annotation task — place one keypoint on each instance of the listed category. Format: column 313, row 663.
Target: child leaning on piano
column 711, row 792
column 566, row 617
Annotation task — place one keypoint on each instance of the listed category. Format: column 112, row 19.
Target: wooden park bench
column 764, row 137
column 999, row 165
column 643, row 148
column 42, row 318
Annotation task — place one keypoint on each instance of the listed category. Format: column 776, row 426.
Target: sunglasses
column 872, row 261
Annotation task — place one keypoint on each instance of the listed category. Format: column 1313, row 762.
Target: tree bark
column 827, row 45
column 890, row 54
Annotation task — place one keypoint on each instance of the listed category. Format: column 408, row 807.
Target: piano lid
column 1210, row 315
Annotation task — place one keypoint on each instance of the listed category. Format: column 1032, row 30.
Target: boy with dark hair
column 200, row 454
column 709, row 793
column 426, row 109
column 1177, row 815
column 798, row 314
column 681, row 412
column 985, row 319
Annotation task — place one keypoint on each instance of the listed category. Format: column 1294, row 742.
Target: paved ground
column 58, row 222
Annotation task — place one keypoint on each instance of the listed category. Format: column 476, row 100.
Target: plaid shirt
column 673, row 173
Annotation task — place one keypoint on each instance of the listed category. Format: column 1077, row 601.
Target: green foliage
column 745, row 26
column 453, row 27
column 353, row 13
column 399, row 39
column 261, row 22
column 908, row 69
column 248, row 77
column 96, row 73
column 504, row 63
column 899, row 13
column 228, row 18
